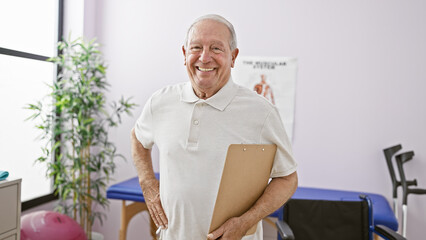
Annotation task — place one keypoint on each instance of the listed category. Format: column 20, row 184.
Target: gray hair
column 217, row 18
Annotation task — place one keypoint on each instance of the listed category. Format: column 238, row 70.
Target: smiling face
column 208, row 57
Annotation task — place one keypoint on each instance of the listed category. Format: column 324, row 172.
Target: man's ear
column 234, row 56
column 184, row 55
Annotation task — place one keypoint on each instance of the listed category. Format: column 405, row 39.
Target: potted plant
column 75, row 125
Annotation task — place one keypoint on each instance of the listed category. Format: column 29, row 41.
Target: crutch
column 400, row 160
column 389, row 152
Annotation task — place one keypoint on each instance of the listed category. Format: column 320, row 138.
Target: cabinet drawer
column 9, row 200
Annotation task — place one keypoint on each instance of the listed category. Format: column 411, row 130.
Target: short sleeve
column 273, row 132
column 144, row 126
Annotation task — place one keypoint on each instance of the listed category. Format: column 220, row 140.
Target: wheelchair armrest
column 388, row 233
column 284, row 230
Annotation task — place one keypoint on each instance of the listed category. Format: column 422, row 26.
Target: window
column 29, row 32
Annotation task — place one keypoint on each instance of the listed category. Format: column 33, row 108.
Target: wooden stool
column 128, row 212
column 130, row 190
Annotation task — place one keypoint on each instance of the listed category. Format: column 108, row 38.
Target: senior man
column 193, row 123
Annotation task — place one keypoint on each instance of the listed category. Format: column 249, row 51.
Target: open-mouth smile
column 205, row 69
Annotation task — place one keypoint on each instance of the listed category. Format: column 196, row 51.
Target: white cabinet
column 10, row 209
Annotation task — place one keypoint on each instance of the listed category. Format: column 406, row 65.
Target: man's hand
column 233, row 229
column 151, row 193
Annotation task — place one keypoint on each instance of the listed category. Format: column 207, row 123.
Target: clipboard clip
column 245, row 149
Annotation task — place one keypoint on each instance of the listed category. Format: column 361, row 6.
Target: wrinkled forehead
column 209, row 27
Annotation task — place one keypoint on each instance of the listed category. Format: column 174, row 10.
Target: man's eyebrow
column 218, row 43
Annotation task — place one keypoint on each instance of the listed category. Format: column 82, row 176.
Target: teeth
column 205, row 69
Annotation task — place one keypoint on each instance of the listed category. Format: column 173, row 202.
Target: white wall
column 360, row 88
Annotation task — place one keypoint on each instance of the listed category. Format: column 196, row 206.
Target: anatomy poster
column 272, row 77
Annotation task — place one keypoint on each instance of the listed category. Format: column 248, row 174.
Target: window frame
column 10, row 52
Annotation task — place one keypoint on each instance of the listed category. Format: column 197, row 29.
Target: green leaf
column 76, row 120
column 88, row 121
column 101, row 68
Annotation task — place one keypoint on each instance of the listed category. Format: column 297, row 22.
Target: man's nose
column 205, row 56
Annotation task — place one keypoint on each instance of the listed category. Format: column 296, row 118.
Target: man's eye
column 216, row 49
column 196, row 48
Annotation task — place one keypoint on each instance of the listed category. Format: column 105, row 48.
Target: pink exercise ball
column 48, row 225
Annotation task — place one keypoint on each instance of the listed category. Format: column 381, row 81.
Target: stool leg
column 404, row 220
column 128, row 212
column 123, row 225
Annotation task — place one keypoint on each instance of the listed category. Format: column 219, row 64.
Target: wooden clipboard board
column 245, row 176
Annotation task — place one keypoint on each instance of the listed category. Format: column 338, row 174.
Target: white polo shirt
column 193, row 136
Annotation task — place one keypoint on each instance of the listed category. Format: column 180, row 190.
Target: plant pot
column 97, row 236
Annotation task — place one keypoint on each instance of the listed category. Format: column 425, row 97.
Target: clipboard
column 245, row 176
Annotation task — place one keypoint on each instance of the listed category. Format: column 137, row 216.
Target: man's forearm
column 278, row 191
column 149, row 184
column 142, row 160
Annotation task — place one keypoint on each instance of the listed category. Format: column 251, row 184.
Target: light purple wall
column 360, row 88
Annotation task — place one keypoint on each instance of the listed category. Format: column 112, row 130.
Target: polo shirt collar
column 219, row 101
column 187, row 94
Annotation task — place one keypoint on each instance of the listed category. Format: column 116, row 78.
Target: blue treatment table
column 130, row 190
